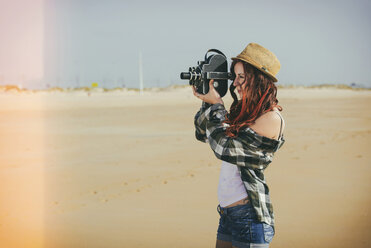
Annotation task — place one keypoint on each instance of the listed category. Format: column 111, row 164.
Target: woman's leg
column 224, row 236
column 223, row 244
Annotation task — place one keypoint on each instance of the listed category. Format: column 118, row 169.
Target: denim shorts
column 239, row 225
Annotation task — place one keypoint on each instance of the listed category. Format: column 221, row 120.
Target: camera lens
column 185, row 75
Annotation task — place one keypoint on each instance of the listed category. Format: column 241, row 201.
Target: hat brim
column 257, row 66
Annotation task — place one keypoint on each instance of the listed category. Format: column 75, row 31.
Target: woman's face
column 240, row 80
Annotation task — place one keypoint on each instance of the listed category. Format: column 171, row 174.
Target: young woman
column 245, row 140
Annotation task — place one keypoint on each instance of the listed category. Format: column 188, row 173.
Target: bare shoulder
column 268, row 125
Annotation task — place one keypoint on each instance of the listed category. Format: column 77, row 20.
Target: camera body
column 215, row 66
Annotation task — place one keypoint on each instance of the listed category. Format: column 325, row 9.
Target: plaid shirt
column 251, row 152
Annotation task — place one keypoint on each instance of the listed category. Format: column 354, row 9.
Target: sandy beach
column 119, row 169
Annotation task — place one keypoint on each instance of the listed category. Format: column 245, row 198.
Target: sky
column 72, row 43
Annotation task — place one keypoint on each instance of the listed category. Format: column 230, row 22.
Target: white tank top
column 230, row 188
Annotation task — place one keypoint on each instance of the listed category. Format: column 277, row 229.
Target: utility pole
column 140, row 73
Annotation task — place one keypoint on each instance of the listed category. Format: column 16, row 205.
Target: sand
column 120, row 169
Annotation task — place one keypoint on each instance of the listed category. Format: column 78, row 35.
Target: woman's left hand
column 211, row 97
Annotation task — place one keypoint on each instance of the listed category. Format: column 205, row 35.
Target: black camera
column 215, row 66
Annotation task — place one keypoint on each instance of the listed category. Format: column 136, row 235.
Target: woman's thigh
column 226, row 244
column 223, row 244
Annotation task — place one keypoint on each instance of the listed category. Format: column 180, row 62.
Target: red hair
column 258, row 97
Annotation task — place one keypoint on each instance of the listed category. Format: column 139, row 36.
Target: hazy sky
column 88, row 40
column 21, row 41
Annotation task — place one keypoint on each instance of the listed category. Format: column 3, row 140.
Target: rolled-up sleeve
column 200, row 123
column 240, row 150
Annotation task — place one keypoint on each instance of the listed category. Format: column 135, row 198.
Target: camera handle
column 215, row 51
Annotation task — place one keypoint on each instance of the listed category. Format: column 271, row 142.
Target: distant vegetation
column 16, row 89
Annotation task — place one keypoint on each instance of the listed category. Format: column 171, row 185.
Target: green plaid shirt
column 251, row 152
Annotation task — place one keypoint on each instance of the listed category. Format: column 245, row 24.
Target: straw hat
column 261, row 58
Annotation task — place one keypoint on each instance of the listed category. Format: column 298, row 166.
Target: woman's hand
column 211, row 97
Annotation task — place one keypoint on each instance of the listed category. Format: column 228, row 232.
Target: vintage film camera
column 215, row 66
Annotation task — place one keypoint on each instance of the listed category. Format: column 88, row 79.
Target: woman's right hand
column 211, row 97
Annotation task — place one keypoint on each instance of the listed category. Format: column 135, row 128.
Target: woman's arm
column 241, row 150
column 200, row 123
column 210, row 98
